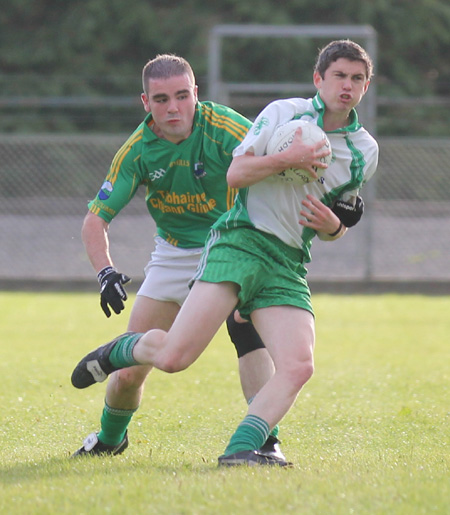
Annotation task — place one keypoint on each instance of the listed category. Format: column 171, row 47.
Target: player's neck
column 157, row 131
column 334, row 121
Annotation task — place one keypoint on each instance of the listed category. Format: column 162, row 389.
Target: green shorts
column 269, row 272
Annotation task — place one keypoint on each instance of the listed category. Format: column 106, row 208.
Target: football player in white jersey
column 256, row 253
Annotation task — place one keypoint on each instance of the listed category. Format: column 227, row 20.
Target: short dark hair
column 346, row 49
column 164, row 66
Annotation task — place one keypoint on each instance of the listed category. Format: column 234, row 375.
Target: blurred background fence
column 47, row 180
column 60, row 129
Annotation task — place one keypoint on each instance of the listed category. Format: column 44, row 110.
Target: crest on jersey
column 105, row 191
column 199, row 170
column 258, row 126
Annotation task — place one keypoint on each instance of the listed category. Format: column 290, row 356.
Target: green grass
column 369, row 434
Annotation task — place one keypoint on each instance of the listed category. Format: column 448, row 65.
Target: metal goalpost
column 219, row 90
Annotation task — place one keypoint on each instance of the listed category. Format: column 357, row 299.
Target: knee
column 300, row 373
column 306, row 372
column 171, row 362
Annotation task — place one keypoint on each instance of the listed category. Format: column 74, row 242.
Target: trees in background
column 97, row 48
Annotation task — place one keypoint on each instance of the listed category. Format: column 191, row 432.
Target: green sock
column 122, row 354
column 114, row 424
column 275, row 430
column 251, row 433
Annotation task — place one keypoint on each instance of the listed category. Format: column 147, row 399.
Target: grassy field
column 369, row 434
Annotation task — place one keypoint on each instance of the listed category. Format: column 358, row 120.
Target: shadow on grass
column 65, row 467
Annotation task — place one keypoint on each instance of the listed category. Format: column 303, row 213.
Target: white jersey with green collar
column 273, row 205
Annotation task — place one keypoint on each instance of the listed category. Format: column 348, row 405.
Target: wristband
column 335, row 233
column 104, row 272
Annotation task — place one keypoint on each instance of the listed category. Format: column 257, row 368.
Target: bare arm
column 94, row 234
column 249, row 169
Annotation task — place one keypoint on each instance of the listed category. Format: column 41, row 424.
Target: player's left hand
column 319, row 216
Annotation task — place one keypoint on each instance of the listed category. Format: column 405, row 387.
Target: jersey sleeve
column 371, row 160
column 120, row 184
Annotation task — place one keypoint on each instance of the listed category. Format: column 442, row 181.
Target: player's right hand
column 112, row 292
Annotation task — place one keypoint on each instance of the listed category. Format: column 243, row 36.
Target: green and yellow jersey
column 186, row 188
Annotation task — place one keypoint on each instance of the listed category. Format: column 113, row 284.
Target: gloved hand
column 348, row 213
column 111, row 290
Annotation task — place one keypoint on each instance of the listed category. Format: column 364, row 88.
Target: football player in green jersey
column 180, row 153
column 268, row 232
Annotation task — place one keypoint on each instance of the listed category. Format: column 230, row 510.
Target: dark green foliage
column 96, row 48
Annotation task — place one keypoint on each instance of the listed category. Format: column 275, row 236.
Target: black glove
column 348, row 213
column 111, row 290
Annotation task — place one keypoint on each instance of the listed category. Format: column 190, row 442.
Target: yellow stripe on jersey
column 172, row 241
column 133, row 186
column 222, row 122
column 238, row 130
column 120, row 156
column 231, row 197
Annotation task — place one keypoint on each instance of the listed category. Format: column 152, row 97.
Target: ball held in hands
column 283, row 137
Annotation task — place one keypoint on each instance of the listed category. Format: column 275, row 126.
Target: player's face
column 343, row 86
column 172, row 104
